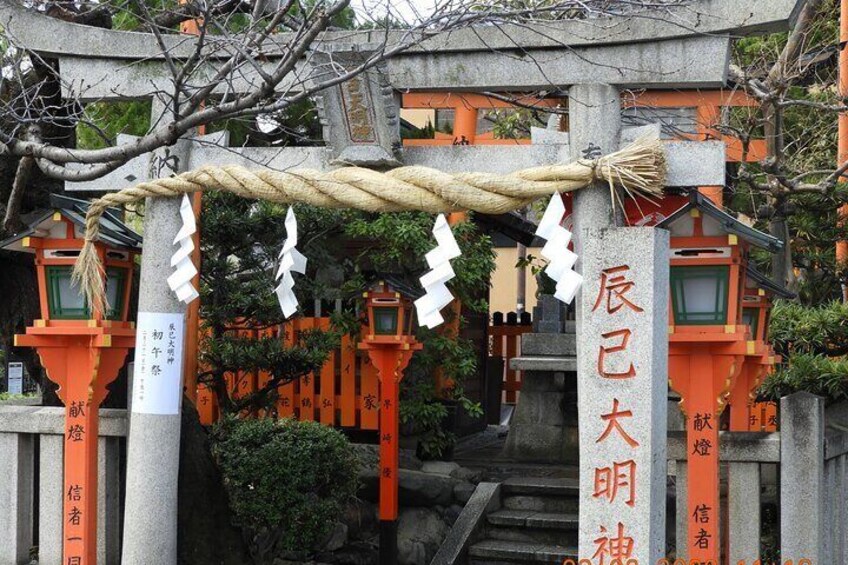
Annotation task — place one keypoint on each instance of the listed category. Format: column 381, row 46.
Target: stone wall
column 431, row 494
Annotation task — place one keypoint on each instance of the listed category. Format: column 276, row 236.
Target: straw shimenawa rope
column 638, row 169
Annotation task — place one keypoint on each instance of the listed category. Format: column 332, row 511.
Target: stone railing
column 31, row 484
column 803, row 469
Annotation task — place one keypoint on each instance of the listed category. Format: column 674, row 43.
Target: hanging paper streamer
column 181, row 279
column 437, row 294
column 291, row 260
column 561, row 259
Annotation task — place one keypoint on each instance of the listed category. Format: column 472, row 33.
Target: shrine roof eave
column 398, row 284
column 50, row 36
column 513, row 226
column 769, row 285
column 113, row 232
column 730, row 224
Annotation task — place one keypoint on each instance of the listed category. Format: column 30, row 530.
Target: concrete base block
column 544, row 426
column 549, row 345
column 109, row 502
column 50, row 498
column 16, row 497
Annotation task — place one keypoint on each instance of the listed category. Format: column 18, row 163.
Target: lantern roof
column 720, row 220
column 765, row 283
column 512, row 226
column 397, row 284
column 114, row 233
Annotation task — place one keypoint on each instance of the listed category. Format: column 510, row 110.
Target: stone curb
column 486, row 498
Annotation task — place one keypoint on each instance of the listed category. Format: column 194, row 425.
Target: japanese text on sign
column 157, row 381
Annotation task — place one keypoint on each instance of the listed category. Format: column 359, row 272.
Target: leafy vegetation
column 287, row 481
column 398, row 245
column 816, row 374
column 814, row 330
column 103, row 121
column 814, row 340
column 347, row 251
column 7, row 396
column 809, row 333
column 240, row 243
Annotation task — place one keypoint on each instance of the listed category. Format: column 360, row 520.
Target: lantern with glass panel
column 55, row 238
column 390, row 344
column 709, row 341
column 82, row 352
column 390, row 315
column 746, row 413
column 709, row 262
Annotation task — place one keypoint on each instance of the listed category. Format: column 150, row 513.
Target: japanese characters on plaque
column 157, row 380
column 75, row 503
column 703, row 514
column 622, row 387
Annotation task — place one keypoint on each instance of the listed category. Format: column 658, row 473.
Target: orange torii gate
column 344, row 394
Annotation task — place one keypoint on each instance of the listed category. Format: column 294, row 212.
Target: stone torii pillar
column 622, row 355
column 153, row 443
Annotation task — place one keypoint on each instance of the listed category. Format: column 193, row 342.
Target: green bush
column 287, row 481
column 816, row 374
column 821, row 329
column 813, row 341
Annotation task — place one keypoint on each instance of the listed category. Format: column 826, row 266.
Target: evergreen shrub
column 287, row 480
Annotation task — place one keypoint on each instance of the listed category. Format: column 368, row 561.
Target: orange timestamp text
column 680, row 561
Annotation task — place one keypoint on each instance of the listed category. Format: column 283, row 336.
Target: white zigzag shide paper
column 437, row 295
column 180, row 281
column 561, row 260
column 291, row 260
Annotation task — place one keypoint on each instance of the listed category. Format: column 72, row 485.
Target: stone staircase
column 536, row 523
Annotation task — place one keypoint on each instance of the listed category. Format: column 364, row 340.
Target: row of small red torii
column 346, row 391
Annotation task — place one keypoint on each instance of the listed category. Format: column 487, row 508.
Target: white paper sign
column 16, row 377
column 157, row 379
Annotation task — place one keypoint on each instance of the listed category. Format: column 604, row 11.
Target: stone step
column 499, row 551
column 532, row 527
column 549, row 345
column 536, row 503
column 532, row 535
column 553, row 364
column 533, row 519
column 542, row 486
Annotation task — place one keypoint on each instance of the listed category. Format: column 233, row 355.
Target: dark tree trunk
column 782, row 271
column 207, row 535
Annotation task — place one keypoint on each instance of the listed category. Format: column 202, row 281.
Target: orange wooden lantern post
column 745, row 413
column 390, row 345
column 80, row 354
column 708, row 344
